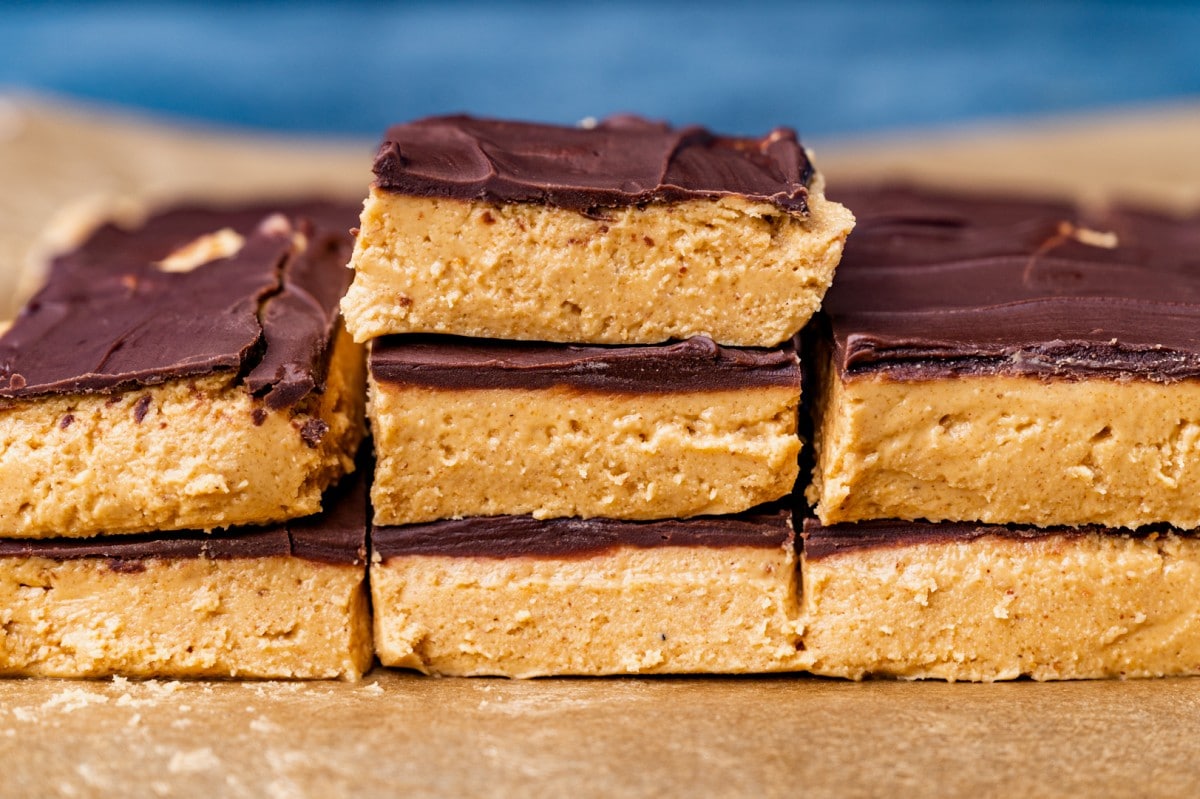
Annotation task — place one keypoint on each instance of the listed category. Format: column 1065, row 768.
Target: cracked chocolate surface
column 110, row 318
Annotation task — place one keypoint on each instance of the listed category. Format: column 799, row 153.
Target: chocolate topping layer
column 821, row 541
column 620, row 162
column 337, row 535
column 110, row 318
column 935, row 284
column 517, row 536
column 697, row 364
column 300, row 321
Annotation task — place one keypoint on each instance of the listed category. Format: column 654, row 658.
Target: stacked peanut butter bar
column 583, row 393
column 179, row 411
column 1007, row 443
column 583, row 378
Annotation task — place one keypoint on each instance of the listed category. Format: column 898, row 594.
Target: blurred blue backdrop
column 826, row 68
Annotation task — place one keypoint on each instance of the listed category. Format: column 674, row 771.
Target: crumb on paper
column 93, row 778
column 193, row 761
column 265, row 726
column 73, row 699
column 286, row 761
column 144, row 693
column 283, row 789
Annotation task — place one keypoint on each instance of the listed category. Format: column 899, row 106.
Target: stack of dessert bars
column 583, row 392
column 1007, row 443
column 178, row 395
column 583, row 380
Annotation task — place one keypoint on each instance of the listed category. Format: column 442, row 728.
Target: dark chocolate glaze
column 935, row 284
column 620, row 162
column 768, row 527
column 697, row 364
column 300, row 321
column 821, row 541
column 109, row 319
column 337, row 535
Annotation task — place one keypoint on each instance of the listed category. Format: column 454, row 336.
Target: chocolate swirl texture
column 696, row 364
column 936, row 283
column 110, row 318
column 517, row 536
column 622, row 161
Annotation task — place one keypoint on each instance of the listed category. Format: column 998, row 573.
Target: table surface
column 397, row 733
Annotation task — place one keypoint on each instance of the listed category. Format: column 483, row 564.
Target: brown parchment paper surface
column 400, row 734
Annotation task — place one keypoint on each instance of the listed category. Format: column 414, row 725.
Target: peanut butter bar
column 518, row 597
column 1010, row 361
column 959, row 601
column 282, row 601
column 626, row 232
column 191, row 373
column 466, row 427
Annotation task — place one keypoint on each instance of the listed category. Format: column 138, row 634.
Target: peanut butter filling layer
column 661, row 610
column 1008, row 449
column 269, row 617
column 563, row 452
column 742, row 272
column 195, row 453
column 1058, row 606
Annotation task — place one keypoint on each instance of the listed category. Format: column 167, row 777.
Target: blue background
column 826, row 68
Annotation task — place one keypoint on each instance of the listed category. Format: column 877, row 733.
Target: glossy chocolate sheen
column 517, row 536
column 935, row 284
column 696, row 364
column 821, row 541
column 622, row 161
column 337, row 535
column 110, row 319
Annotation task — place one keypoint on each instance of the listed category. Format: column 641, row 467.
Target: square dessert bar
column 190, row 373
column 1010, row 361
column 467, row 427
column 627, row 232
column 960, row 601
column 286, row 601
column 517, row 597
